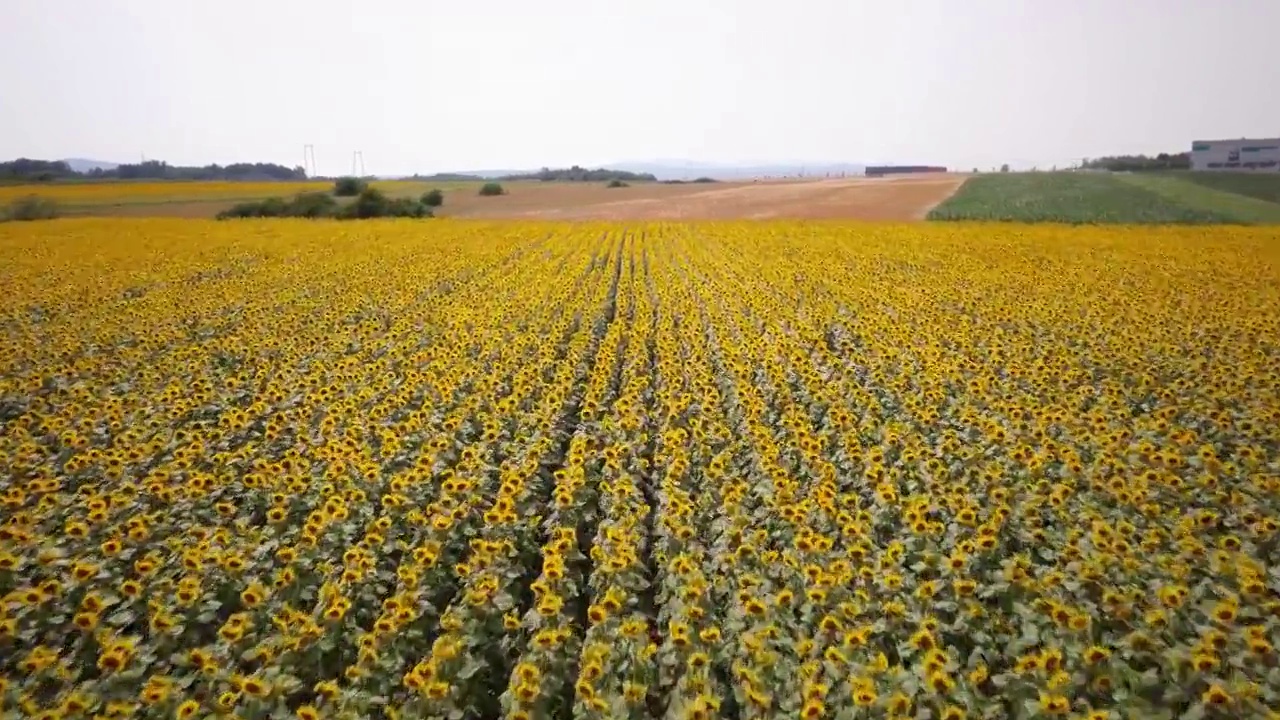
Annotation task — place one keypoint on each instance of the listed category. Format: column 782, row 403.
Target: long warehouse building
column 1241, row 155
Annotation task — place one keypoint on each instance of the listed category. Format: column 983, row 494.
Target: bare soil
column 900, row 198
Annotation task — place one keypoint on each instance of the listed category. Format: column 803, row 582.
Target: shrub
column 370, row 204
column 433, row 198
column 241, row 210
column 31, row 207
column 349, row 186
column 407, row 207
column 312, row 205
column 373, row 203
column 490, row 189
column 274, row 207
column 704, row 180
column 270, row 207
column 615, row 183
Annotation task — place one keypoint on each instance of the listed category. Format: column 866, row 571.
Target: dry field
column 893, row 199
column 901, row 198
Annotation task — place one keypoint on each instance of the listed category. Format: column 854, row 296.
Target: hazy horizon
column 431, row 86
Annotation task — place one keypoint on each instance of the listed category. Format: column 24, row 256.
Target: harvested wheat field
column 909, row 197
column 904, row 198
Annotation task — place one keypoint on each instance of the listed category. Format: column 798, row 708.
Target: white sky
column 426, row 86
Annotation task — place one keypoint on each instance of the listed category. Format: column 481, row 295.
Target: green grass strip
column 1263, row 186
column 1182, row 190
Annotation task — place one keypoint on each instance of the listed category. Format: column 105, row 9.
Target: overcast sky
column 427, row 85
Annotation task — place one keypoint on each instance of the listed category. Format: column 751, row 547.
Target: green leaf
column 469, row 669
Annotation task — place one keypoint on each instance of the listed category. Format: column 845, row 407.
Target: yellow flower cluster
column 742, row 470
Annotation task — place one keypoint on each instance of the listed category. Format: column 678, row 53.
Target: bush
column 312, row 205
column 370, row 204
column 349, row 186
column 31, row 207
column 407, row 207
column 373, row 203
column 271, row 207
column 490, row 189
column 704, row 180
column 433, row 198
column 241, row 210
column 617, row 184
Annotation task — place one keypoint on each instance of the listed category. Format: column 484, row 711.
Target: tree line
column 580, row 174
column 28, row 170
column 1139, row 163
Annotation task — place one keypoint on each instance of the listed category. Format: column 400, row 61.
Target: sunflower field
column 464, row 470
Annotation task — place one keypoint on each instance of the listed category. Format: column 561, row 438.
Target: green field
column 1254, row 185
column 1077, row 197
column 1186, row 190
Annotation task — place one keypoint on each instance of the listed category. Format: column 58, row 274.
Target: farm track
column 551, row 470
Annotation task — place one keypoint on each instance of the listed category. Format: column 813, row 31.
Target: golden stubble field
column 899, row 198
column 716, row 470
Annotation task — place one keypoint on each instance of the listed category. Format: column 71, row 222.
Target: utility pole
column 309, row 160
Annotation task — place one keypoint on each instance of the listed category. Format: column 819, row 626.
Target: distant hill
column 689, row 170
column 81, row 165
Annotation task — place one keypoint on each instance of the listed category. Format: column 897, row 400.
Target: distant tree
column 580, row 174
column 491, row 189
column 25, row 169
column 160, row 170
column 1140, row 163
column 975, row 171
column 1004, row 167
column 433, row 198
column 349, row 186
column 370, row 203
column 447, row 177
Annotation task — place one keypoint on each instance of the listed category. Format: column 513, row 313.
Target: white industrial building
column 1241, row 155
